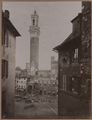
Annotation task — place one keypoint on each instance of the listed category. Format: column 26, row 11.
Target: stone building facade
column 20, row 86
column 9, row 34
column 74, row 73
column 21, row 78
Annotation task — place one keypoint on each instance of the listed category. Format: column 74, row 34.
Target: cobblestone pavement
column 45, row 107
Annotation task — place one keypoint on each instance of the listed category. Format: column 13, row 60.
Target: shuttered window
column 5, row 37
column 4, row 68
column 64, row 83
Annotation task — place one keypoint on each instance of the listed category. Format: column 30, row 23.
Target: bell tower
column 34, row 43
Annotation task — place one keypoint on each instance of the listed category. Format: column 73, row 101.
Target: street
column 46, row 107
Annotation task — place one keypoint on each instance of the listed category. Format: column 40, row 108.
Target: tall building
column 74, row 77
column 54, row 69
column 34, row 43
column 28, row 69
column 9, row 34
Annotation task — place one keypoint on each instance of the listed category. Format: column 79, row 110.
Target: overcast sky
column 54, row 23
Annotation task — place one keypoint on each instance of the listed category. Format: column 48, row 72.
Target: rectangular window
column 76, row 53
column 74, row 84
column 33, row 21
column 4, row 68
column 5, row 38
column 3, row 34
column 64, row 83
column 74, row 56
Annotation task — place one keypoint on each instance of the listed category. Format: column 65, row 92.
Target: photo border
column 1, row 2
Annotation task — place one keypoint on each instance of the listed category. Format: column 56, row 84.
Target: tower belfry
column 34, row 42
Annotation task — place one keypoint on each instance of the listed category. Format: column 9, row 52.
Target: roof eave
column 79, row 15
column 12, row 28
column 57, row 48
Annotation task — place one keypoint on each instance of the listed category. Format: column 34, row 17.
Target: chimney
column 6, row 14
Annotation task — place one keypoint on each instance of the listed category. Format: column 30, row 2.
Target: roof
column 8, row 24
column 70, row 38
column 78, row 16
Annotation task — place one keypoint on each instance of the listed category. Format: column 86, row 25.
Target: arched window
column 33, row 21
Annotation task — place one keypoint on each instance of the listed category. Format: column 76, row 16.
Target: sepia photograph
column 46, row 60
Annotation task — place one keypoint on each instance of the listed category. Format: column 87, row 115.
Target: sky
column 55, row 26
